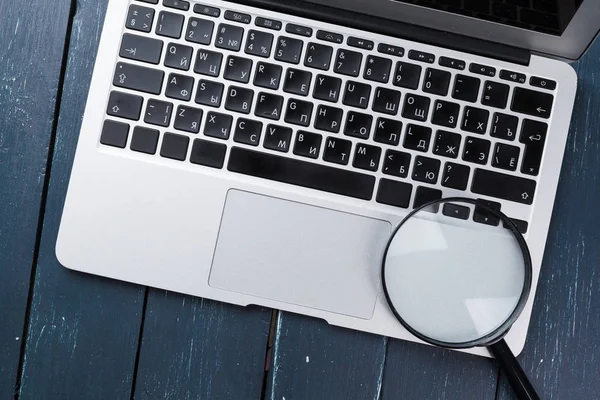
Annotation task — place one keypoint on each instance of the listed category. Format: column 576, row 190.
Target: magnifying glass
column 457, row 274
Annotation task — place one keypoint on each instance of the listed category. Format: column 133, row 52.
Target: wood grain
column 30, row 66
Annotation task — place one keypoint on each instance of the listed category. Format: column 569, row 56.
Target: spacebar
column 300, row 173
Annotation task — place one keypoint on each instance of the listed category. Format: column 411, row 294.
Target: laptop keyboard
column 294, row 104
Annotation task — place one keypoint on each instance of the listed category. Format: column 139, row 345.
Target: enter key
column 533, row 136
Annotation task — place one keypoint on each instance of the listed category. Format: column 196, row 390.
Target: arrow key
column 533, row 135
column 456, row 211
column 532, row 102
column 141, row 48
column 483, row 216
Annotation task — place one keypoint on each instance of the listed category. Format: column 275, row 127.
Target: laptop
column 261, row 152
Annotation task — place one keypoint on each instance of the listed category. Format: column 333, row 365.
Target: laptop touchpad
column 299, row 254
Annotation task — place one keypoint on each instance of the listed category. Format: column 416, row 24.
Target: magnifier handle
column 515, row 374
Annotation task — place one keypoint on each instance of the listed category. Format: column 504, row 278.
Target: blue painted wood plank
column 30, row 66
column 562, row 352
column 201, row 349
column 83, row 330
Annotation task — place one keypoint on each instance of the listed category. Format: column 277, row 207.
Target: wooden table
column 65, row 335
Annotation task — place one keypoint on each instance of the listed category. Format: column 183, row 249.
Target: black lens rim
column 503, row 329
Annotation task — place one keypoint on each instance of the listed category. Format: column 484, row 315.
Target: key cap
column 482, row 69
column 425, row 195
column 259, row 43
column 504, row 126
column 386, row 101
column 330, row 37
column 209, row 93
column 178, row 56
column 390, row 49
column 452, row 63
column 139, row 78
column 169, row 24
column 456, row 176
column 475, row 120
column 298, row 112
column 358, row 125
column 268, row 106
column 495, row 94
column 417, row 137
column 158, row 112
column 124, row 105
column 141, row 48
column 542, row 83
column 297, row 82
column 426, row 170
column 237, row 17
column 531, row 102
column 239, row 99
column 208, row 154
column 466, row 88
column 512, row 76
column 177, row 4
column 327, row 88
column 179, row 87
column 278, row 138
column 436, row 81
column 396, row 163
column 521, row 225
column 206, row 10
column 366, row 157
column 394, row 193
column 506, row 157
column 388, row 131
column 533, row 135
column 238, row 69
column 347, row 63
column 188, row 119
column 456, row 211
column 360, row 43
column 476, row 150
column 298, row 30
column 357, row 94
column 307, row 144
column 421, row 56
column 114, row 134
column 150, row 1
column 174, row 146
column 337, row 150
column 247, row 131
column 199, row 31
column 218, row 125
column 328, row 118
column 416, row 107
column 208, row 63
column 229, row 37
column 377, row 69
column 144, row 140
column 268, row 23
column 446, row 144
column 268, row 75
column 407, row 75
column 140, row 18
column 483, row 216
column 445, row 113
column 288, row 50
column 318, row 56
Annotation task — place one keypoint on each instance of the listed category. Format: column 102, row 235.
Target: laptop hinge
column 394, row 28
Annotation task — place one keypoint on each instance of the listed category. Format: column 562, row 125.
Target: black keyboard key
column 358, row 125
column 124, row 105
column 542, row 83
column 169, row 24
column 178, row 56
column 533, row 135
column 394, row 193
column 268, row 23
column 445, row 113
column 268, row 106
column 516, row 77
column 495, row 94
column 238, row 69
column 158, row 112
column 297, row 82
column 177, row 4
column 144, row 140
column 483, row 216
column 328, row 118
column 259, row 43
column 347, row 62
column 299, row 30
column 416, row 107
column 447, row 144
column 521, row 225
column 247, row 131
column 377, row 69
column 466, row 88
column 436, row 81
column 425, row 195
column 318, row 56
column 396, row 163
column 417, row 137
column 237, row 17
column 208, row 154
column 426, row 169
column 288, row 50
column 390, row 49
column 179, row 87
column 388, row 131
column 506, row 157
column 386, row 101
column 139, row 78
column 475, row 120
column 174, row 146
column 298, row 112
column 456, row 211
column 268, row 75
column 207, row 10
column 330, row 37
column 307, row 144
column 140, row 18
column 239, row 99
column 150, row 1
column 366, row 157
column 188, row 119
column 407, row 75
column 532, row 102
column 218, row 125
column 452, row 63
column 199, row 31
column 482, row 69
column 229, row 37
column 278, row 138
column 208, row 63
column 114, row 134
column 357, row 94
column 327, row 88
column 337, row 150
column 360, row 43
column 504, row 126
column 141, row 48
column 421, row 56
column 209, row 93
column 476, row 150
column 456, row 176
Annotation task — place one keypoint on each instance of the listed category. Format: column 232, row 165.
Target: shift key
column 135, row 77
column 502, row 186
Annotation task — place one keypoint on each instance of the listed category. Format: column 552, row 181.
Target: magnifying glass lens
column 452, row 280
